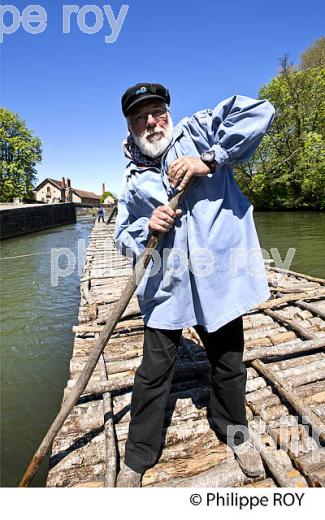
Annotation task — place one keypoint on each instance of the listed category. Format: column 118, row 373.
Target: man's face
column 151, row 127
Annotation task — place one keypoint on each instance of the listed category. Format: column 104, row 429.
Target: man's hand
column 163, row 218
column 184, row 168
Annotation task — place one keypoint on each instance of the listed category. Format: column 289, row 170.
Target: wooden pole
column 321, row 281
column 100, row 344
column 112, row 213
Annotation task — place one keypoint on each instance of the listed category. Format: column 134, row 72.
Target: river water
column 37, row 318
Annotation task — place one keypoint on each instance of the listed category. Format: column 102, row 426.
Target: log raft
column 285, row 391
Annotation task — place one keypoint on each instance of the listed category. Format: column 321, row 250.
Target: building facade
column 52, row 191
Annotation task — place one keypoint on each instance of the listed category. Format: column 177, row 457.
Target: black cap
column 142, row 91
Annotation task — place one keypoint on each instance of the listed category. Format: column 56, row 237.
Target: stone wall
column 26, row 219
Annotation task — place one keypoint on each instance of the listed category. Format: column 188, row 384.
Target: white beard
column 156, row 147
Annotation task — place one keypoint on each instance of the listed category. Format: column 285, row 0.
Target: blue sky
column 67, row 87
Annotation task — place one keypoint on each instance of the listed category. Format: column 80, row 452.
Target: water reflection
column 36, row 327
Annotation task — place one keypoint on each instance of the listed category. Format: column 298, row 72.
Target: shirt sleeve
column 130, row 234
column 235, row 127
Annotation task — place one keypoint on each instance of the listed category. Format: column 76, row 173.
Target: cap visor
column 144, row 98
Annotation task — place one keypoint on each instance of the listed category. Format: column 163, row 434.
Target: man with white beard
column 215, row 221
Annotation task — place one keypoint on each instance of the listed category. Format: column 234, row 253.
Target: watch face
column 208, row 156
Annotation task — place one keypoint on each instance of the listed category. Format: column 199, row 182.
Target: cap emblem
column 142, row 90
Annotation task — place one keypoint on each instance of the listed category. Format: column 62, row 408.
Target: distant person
column 215, row 220
column 100, row 214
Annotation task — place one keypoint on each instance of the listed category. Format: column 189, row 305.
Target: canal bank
column 19, row 220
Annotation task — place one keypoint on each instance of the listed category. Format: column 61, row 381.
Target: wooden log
column 92, row 312
column 262, row 404
column 73, row 477
column 310, row 307
column 285, row 349
column 274, row 412
column 109, row 431
column 278, row 302
column 319, row 410
column 96, row 484
column 255, row 384
column 178, row 402
column 262, row 332
column 175, row 433
column 184, row 468
column 257, row 395
column 310, row 461
column 251, row 373
column 286, row 391
column 191, row 414
column 125, row 379
column 292, row 438
column 182, row 449
column 318, row 398
column 256, row 320
column 265, row 483
column 114, row 367
column 76, row 456
column 289, row 289
column 308, row 377
column 296, row 361
column 277, row 462
column 85, row 417
column 261, row 343
column 305, row 368
column 223, row 475
column 110, row 442
column 302, row 331
column 283, row 337
column 316, row 477
column 309, row 389
column 300, row 275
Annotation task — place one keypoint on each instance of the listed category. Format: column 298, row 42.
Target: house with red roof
column 52, row 191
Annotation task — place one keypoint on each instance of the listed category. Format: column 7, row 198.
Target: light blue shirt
column 211, row 268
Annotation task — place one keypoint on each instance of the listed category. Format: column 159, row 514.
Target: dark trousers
column 152, row 385
column 100, row 217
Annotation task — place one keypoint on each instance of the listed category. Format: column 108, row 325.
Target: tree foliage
column 314, row 56
column 20, row 151
column 105, row 195
column 288, row 169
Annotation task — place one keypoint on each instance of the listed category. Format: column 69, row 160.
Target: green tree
column 314, row 56
column 107, row 194
column 20, row 151
column 288, row 169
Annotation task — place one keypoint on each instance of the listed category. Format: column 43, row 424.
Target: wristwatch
column 209, row 158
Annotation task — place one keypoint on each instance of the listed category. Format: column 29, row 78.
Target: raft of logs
column 285, row 392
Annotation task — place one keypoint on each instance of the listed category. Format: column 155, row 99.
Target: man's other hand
column 184, row 168
column 162, row 219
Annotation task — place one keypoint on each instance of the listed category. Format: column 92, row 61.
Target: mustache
column 154, row 132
